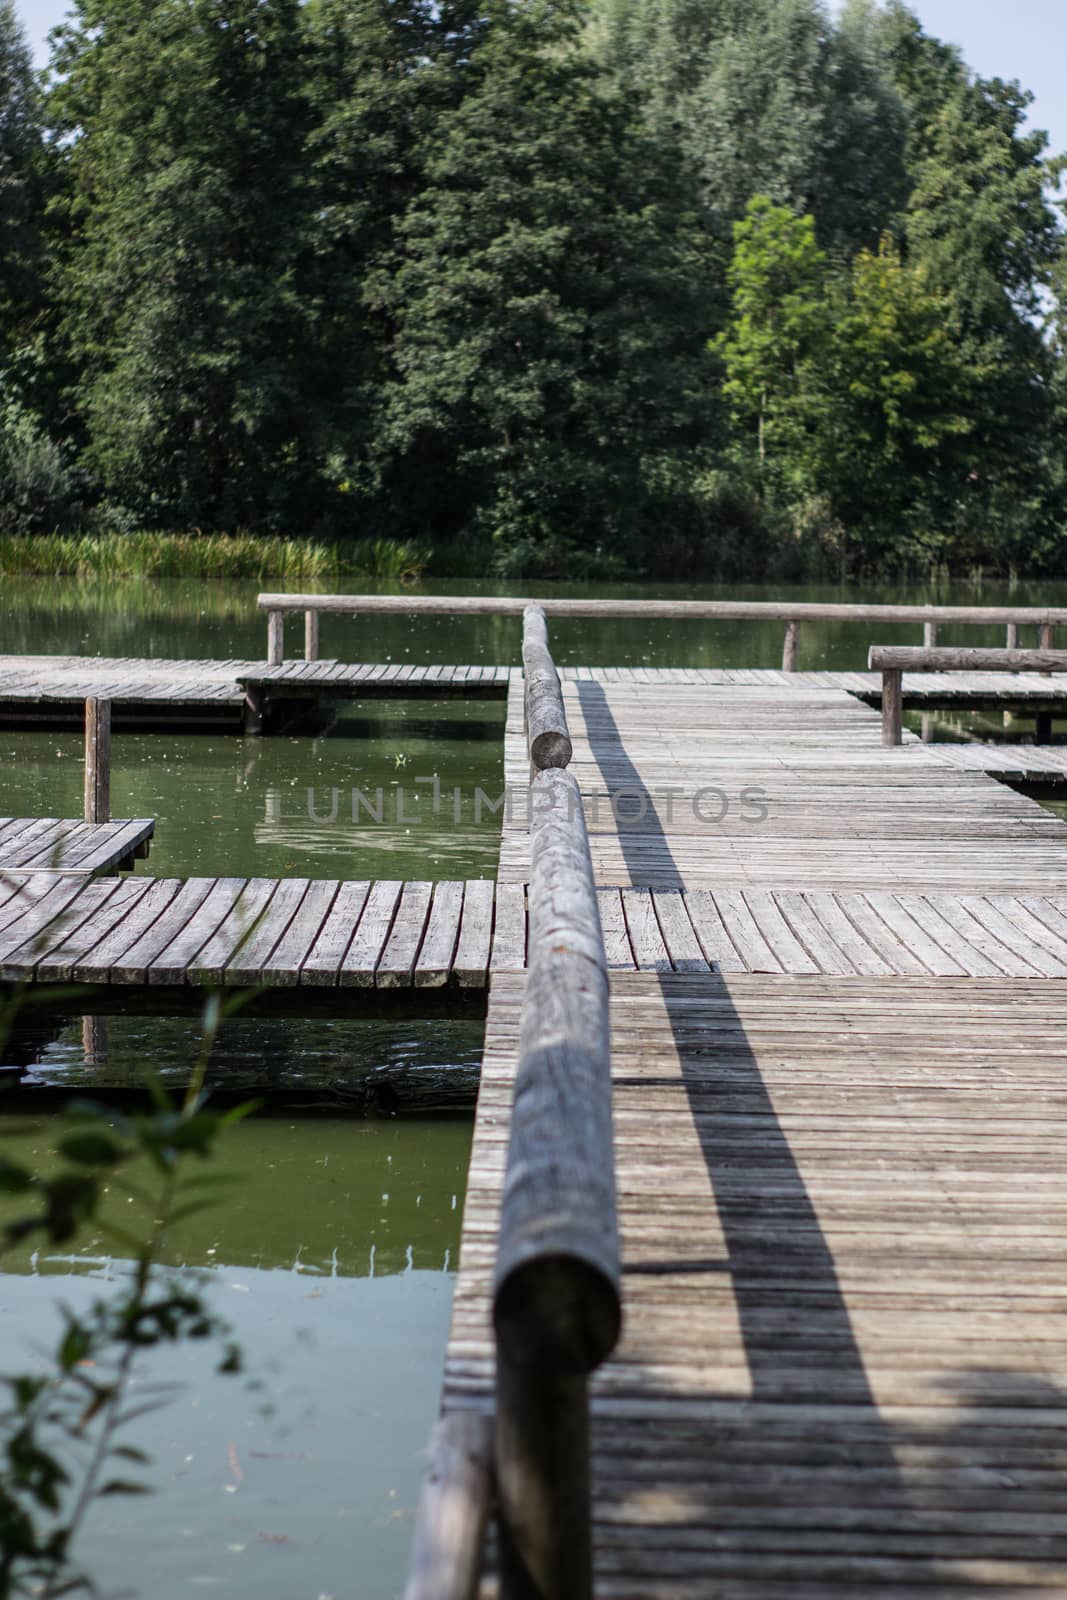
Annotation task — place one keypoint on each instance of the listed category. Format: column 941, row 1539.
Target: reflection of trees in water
column 342, row 1063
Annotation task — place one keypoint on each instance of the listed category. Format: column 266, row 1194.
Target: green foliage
column 38, row 486
column 21, row 193
column 61, row 1430
column 780, row 326
column 548, row 294
column 170, row 555
column 180, row 130
column 294, row 271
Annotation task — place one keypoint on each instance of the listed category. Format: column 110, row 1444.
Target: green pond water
column 334, row 1259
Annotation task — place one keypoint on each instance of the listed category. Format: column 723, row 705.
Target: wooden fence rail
column 791, row 613
column 892, row 661
column 557, row 1306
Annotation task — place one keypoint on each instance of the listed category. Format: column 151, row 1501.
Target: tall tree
column 180, row 124
column 979, row 223
column 20, row 184
column 550, row 295
column 778, row 331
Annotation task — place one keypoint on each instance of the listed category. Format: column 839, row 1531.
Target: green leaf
column 14, row 1179
column 74, row 1346
column 91, row 1149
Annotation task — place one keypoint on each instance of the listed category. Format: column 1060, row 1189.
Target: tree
column 549, row 296
column 890, row 444
column 180, row 126
column 979, row 224
column 779, row 326
column 20, row 185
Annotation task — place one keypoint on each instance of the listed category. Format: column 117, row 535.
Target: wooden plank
column 322, row 966
column 96, row 963
column 475, row 934
column 365, row 951
column 396, row 967
column 650, row 952
column 175, row 953
column 613, row 926
column 679, row 935
column 284, row 966
column 276, row 912
column 715, row 941
column 433, row 967
column 509, row 929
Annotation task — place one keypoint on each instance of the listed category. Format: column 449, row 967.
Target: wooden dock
column 55, row 846
column 35, row 689
column 419, row 945
column 840, row 1151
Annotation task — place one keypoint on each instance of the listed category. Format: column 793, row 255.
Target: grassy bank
column 172, row 555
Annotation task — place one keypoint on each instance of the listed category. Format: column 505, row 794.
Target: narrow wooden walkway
column 842, row 1192
column 259, row 933
column 55, row 845
column 34, row 687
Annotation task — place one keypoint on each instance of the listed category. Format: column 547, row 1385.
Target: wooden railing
column 556, row 1291
column 791, row 613
column 893, row 661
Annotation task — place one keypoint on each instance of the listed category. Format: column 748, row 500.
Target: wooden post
column 929, row 635
column 446, row 1562
column 545, row 1542
column 275, row 638
column 1011, row 639
column 1043, row 725
column 892, row 706
column 311, row 636
column 789, row 648
column 254, row 708
column 98, row 760
column 94, row 1041
column 556, row 1300
column 1045, row 643
column 928, row 728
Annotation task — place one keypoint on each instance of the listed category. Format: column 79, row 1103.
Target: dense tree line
column 715, row 286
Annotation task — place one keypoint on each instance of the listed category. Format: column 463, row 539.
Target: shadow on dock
column 789, row 1479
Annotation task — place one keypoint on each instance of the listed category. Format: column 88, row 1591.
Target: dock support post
column 1045, row 642
column 1043, row 726
column 453, row 1510
column 98, row 760
column 929, row 635
column 311, row 636
column 275, row 638
column 1011, row 636
column 892, row 706
column 928, row 727
column 255, row 703
column 789, row 648
column 542, row 1470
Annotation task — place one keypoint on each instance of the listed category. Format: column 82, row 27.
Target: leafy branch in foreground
column 60, row 1433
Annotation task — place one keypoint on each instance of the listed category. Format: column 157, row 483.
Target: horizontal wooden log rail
column 557, row 1305
column 892, row 661
column 547, row 733
column 792, row 613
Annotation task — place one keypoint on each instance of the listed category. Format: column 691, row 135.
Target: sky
column 1024, row 39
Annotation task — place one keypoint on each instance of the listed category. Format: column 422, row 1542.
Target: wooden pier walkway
column 33, row 846
column 167, row 934
column 42, row 688
column 841, row 1157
